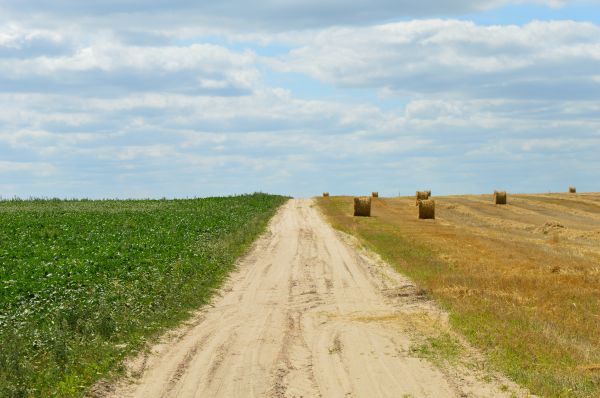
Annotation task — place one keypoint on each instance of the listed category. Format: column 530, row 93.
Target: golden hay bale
column 572, row 190
column 422, row 195
column 500, row 197
column 375, row 194
column 427, row 209
column 325, row 194
column 362, row 206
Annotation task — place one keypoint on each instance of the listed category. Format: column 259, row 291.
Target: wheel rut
column 306, row 314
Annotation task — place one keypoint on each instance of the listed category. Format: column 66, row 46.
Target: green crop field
column 85, row 283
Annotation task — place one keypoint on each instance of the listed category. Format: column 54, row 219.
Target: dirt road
column 306, row 314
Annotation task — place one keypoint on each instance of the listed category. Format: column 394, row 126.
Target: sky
column 181, row 98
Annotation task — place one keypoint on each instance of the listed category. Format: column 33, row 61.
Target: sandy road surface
column 305, row 315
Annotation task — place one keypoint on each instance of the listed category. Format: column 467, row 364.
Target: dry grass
column 362, row 207
column 529, row 296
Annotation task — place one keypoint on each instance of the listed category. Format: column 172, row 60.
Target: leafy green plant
column 85, row 283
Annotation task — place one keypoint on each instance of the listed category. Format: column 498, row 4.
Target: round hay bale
column 422, row 195
column 500, row 197
column 362, row 206
column 325, row 194
column 572, row 190
column 427, row 209
column 375, row 194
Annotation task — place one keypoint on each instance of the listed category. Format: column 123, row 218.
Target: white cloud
column 16, row 36
column 110, row 57
column 35, row 168
column 455, row 58
column 153, row 111
column 99, row 64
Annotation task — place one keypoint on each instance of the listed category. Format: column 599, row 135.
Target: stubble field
column 521, row 281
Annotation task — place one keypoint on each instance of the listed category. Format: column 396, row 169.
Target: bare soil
column 308, row 313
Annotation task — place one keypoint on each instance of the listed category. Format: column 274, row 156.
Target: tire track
column 306, row 314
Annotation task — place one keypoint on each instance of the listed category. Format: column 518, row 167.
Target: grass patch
column 503, row 294
column 440, row 349
column 83, row 284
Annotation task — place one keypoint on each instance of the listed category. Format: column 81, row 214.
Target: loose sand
column 306, row 314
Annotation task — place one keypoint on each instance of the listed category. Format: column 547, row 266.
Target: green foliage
column 85, row 283
column 443, row 348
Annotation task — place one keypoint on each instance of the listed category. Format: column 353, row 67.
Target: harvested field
column 521, row 281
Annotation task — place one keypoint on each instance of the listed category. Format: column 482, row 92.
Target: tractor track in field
column 307, row 313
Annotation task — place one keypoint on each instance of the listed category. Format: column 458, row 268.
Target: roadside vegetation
column 85, row 283
column 521, row 282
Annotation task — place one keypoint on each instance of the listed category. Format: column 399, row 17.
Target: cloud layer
column 540, row 60
column 239, row 14
column 439, row 103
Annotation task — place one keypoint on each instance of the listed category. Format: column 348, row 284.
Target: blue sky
column 179, row 99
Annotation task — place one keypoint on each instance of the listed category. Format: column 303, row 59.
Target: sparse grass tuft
column 336, row 347
column 440, row 349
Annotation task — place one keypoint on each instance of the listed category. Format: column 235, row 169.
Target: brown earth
column 309, row 314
